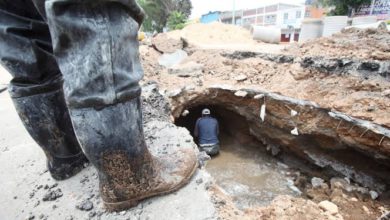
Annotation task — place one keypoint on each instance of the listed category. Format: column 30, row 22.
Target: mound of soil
column 371, row 44
column 213, row 33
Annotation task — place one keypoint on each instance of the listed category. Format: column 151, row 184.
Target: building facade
column 379, row 8
column 210, row 17
column 278, row 15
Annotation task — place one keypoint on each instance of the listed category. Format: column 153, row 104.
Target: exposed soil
column 362, row 98
column 370, row 44
column 357, row 88
column 214, row 33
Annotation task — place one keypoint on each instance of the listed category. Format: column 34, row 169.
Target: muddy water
column 248, row 174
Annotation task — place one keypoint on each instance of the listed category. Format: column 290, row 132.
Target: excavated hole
column 244, row 168
column 252, row 170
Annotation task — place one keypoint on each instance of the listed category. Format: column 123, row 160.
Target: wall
column 381, row 9
column 313, row 12
column 294, row 17
column 210, row 17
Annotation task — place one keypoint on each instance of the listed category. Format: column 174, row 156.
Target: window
column 299, row 14
column 307, row 14
column 247, row 21
column 270, row 19
column 285, row 16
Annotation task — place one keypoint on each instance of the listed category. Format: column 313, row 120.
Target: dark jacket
column 207, row 130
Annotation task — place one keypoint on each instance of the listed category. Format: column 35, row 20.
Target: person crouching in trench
column 207, row 131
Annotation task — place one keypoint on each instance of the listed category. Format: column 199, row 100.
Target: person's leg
column 211, row 150
column 96, row 46
column 36, row 87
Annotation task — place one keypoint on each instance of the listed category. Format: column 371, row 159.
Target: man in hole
column 207, row 131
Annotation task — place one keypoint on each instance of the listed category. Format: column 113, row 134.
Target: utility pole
column 372, row 6
column 234, row 12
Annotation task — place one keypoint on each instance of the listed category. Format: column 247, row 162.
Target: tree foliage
column 158, row 12
column 176, row 20
column 343, row 7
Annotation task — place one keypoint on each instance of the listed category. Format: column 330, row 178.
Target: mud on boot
column 113, row 140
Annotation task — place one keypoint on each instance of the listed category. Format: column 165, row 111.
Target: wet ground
column 248, row 174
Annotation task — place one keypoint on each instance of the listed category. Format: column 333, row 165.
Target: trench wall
column 355, row 148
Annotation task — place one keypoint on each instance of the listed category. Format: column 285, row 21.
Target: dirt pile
column 213, row 33
column 371, row 44
column 165, row 44
column 286, row 208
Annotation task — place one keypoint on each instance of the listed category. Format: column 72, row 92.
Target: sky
column 204, row 6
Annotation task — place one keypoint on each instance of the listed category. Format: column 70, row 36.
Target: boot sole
column 120, row 206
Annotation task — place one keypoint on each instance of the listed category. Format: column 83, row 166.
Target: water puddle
column 249, row 175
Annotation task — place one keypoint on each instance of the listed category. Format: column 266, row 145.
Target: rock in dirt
column 171, row 59
column 366, row 210
column 240, row 78
column 187, row 69
column 52, row 195
column 164, row 44
column 317, row 182
column 340, row 183
column 174, row 93
column 241, row 94
column 329, row 207
column 386, row 93
column 85, row 205
column 30, row 217
column 374, row 195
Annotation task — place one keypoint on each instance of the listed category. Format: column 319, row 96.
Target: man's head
column 205, row 112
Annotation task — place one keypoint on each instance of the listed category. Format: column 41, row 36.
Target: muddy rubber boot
column 113, row 141
column 46, row 118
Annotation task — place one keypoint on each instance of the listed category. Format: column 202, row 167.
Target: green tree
column 155, row 15
column 184, row 6
column 158, row 11
column 343, row 7
column 176, row 20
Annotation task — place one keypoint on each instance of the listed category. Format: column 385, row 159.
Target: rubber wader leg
column 97, row 50
column 36, row 87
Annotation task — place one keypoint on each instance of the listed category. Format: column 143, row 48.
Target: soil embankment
column 326, row 103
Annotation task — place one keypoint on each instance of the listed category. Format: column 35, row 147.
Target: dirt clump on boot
column 132, row 179
column 126, row 177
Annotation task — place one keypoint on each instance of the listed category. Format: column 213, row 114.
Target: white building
column 279, row 15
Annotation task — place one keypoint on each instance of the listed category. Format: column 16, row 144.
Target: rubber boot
column 46, row 118
column 113, row 141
